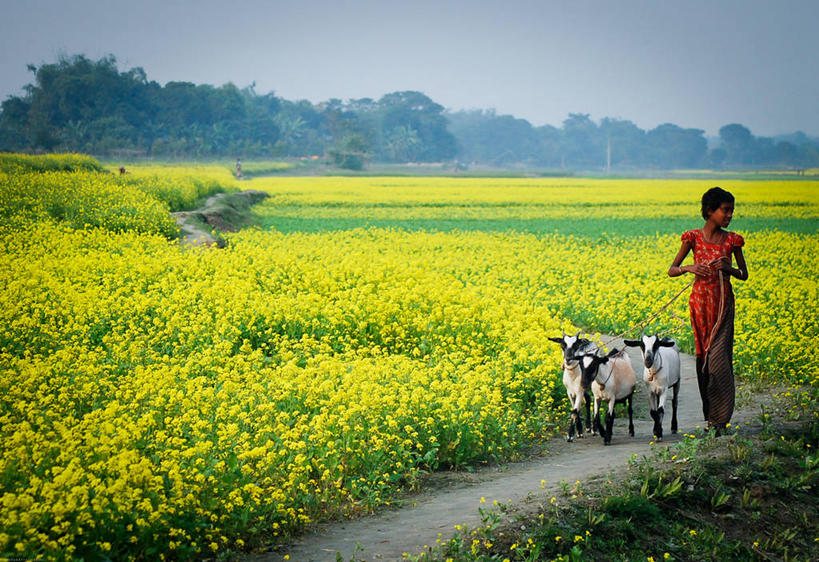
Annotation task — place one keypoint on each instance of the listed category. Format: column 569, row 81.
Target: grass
column 587, row 228
column 744, row 496
column 21, row 163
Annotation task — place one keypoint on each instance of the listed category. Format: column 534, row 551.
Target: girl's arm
column 697, row 269
column 741, row 270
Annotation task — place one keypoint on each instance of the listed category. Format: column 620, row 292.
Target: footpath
column 223, row 212
column 428, row 516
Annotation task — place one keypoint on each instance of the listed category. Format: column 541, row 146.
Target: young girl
column 712, row 302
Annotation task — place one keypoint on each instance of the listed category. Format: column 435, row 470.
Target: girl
column 712, row 302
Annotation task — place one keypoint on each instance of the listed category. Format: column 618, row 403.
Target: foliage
column 78, row 191
column 261, row 167
column 81, row 105
column 21, row 163
column 82, row 200
column 501, row 140
column 180, row 187
column 350, row 153
column 163, row 400
column 696, row 500
column 77, row 104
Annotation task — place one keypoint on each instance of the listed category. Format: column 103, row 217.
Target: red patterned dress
column 712, row 317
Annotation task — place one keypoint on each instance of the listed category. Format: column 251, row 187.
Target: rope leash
column 653, row 316
column 677, row 327
column 681, row 321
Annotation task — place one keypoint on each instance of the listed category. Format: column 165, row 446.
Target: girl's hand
column 700, row 270
column 723, row 263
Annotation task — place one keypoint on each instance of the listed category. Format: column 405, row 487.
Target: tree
column 674, row 147
column 350, row 153
column 625, row 142
column 736, row 139
column 421, row 114
column 484, row 136
column 583, row 144
column 402, row 144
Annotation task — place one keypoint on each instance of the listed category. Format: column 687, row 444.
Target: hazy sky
column 694, row 63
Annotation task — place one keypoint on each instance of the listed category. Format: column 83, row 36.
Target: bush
column 16, row 163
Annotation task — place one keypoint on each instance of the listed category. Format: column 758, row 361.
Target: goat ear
column 666, row 342
column 557, row 340
column 633, row 343
column 614, row 351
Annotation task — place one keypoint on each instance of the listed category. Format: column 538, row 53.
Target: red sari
column 712, row 317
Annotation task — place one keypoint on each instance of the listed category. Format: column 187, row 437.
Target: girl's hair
column 713, row 200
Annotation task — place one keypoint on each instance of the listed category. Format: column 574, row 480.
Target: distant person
column 711, row 303
column 238, row 168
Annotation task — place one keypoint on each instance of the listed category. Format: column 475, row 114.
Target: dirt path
column 387, row 535
column 223, row 212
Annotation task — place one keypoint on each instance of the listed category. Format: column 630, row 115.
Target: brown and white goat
column 612, row 380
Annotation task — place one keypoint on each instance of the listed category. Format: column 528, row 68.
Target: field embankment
column 223, row 212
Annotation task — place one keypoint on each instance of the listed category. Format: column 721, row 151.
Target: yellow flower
column 330, row 366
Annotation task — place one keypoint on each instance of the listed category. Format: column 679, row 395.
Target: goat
column 612, row 380
column 572, row 346
column 661, row 359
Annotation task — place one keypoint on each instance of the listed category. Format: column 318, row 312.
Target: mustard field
column 174, row 402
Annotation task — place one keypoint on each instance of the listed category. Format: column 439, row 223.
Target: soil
column 454, row 498
column 223, row 212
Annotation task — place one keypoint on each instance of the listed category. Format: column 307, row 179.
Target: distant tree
column 716, row 158
column 736, row 139
column 484, row 136
column 583, row 143
column 787, row 154
column 671, row 146
column 761, row 152
column 549, row 140
column 402, row 143
column 300, row 124
column 350, row 153
column 625, row 141
column 15, row 124
column 79, row 104
column 421, row 114
column 473, row 132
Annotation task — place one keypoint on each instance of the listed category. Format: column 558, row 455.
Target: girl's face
column 721, row 216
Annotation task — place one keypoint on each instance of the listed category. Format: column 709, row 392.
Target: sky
column 698, row 64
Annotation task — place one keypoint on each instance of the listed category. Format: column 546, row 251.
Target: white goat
column 612, row 380
column 573, row 346
column 661, row 359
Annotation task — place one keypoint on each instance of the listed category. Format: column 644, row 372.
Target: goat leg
column 587, row 402
column 596, row 427
column 570, row 437
column 609, row 424
column 579, row 422
column 674, row 407
column 658, row 426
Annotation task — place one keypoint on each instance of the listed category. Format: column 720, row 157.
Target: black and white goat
column 661, row 359
column 573, row 346
column 612, row 380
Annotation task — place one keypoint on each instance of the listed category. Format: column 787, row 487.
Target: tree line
column 81, row 105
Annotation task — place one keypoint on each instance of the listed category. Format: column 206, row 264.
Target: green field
column 196, row 402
